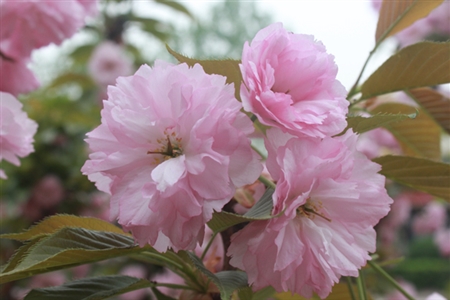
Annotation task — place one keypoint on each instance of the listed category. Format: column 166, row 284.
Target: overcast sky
column 347, row 28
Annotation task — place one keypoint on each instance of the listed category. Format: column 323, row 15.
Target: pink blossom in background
column 48, row 192
column 45, row 280
column 436, row 23
column 168, row 277
column 435, row 296
column 378, row 142
column 290, row 83
column 171, row 149
column 109, row 61
column 137, row 271
column 16, row 131
column 98, row 206
column 213, row 259
column 432, row 218
column 330, row 197
column 400, row 211
column 407, row 286
column 16, row 78
column 28, row 25
column 248, row 195
column 442, row 240
column 90, row 7
column 418, row 199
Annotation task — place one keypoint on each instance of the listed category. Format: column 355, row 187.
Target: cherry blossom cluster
column 173, row 147
column 29, row 25
column 16, row 131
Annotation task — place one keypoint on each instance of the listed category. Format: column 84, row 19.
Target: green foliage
column 54, row 223
column 66, row 248
column 226, row 281
column 363, row 124
column 91, row 288
column 418, row 173
column 228, row 68
column 420, row 137
column 397, row 15
column 260, row 211
column 434, row 104
column 404, row 70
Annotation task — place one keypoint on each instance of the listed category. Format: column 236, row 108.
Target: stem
column 162, row 258
column 259, row 152
column 350, row 287
column 361, row 287
column 355, row 86
column 175, row 286
column 388, row 277
column 267, row 182
column 208, row 246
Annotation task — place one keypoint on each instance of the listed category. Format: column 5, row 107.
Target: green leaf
column 421, row 64
column 228, row 68
column 263, row 294
column 176, row 6
column 66, row 248
column 435, row 104
column 397, row 15
column 420, row 137
column 226, row 281
column 96, row 288
column 54, row 223
column 19, row 254
column 260, row 211
column 362, row 124
column 82, row 54
column 418, row 173
column 161, row 296
column 82, row 80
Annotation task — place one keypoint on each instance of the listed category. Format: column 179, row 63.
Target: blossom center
column 169, row 147
column 311, row 209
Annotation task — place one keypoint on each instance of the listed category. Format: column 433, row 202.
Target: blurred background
column 414, row 239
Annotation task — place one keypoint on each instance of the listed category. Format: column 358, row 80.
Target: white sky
column 346, row 28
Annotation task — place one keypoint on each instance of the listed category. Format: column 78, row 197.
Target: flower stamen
column 310, row 210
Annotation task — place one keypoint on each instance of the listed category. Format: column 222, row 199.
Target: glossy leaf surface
column 419, row 65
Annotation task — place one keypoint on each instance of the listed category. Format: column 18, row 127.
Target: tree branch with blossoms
column 193, row 197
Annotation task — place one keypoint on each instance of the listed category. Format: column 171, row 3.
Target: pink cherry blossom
column 400, row 211
column 137, row 271
column 90, row 7
column 432, row 218
column 109, row 61
column 48, row 192
column 171, row 149
column 330, row 197
column 378, row 142
column 28, row 25
column 290, row 83
column 435, row 296
column 16, row 131
column 167, row 276
column 213, row 259
column 17, row 78
column 442, row 240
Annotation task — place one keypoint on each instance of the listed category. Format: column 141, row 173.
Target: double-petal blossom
column 328, row 199
column 172, row 148
column 290, row 83
column 16, row 131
